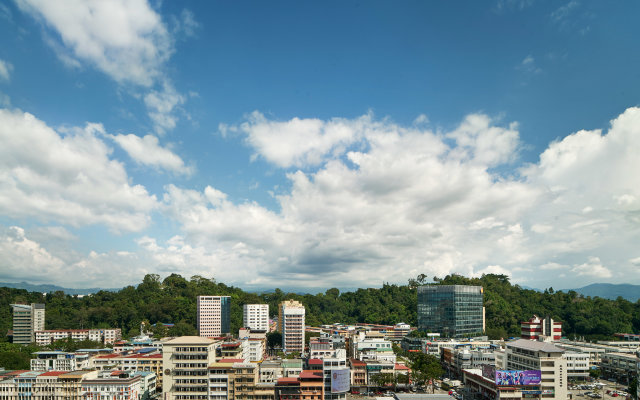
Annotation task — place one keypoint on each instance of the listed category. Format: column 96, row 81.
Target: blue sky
column 316, row 145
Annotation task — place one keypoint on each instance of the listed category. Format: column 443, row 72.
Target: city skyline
column 315, row 146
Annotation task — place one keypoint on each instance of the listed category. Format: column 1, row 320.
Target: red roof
column 231, row 360
column 401, row 366
column 357, row 363
column 155, row 355
column 307, row 374
column 315, row 361
column 53, row 373
column 289, row 380
column 110, row 356
column 231, row 344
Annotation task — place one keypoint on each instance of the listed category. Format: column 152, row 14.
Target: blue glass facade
column 451, row 310
column 225, row 314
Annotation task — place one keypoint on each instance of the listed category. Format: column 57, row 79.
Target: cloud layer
column 415, row 201
column 372, row 202
column 67, row 178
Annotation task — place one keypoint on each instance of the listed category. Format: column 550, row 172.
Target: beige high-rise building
column 214, row 315
column 27, row 319
column 186, row 361
column 523, row 354
column 291, row 315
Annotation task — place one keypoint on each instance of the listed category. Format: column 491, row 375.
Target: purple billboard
column 517, row 377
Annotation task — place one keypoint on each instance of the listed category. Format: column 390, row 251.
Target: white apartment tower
column 214, row 315
column 27, row 319
column 291, row 325
column 256, row 317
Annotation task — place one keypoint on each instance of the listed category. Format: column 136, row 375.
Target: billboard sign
column 340, row 380
column 489, row 371
column 517, row 377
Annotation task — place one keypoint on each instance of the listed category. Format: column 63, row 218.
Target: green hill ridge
column 173, row 300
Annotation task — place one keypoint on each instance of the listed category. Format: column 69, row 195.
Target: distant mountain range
column 610, row 291
column 53, row 288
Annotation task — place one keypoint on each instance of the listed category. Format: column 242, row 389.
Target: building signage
column 340, row 380
column 489, row 371
column 517, row 377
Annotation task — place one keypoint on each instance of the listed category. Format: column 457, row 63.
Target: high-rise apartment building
column 291, row 324
column 256, row 317
column 451, row 310
column 27, row 319
column 214, row 315
column 522, row 354
column 186, row 361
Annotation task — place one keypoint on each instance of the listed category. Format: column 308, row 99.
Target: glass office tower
column 451, row 310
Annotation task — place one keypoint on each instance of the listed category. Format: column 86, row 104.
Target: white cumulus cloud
column 388, row 200
column 66, row 178
column 147, row 151
column 125, row 39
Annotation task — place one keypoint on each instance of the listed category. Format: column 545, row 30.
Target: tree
column 274, row 340
column 309, row 335
column 425, row 367
column 382, row 379
column 633, row 388
column 183, row 328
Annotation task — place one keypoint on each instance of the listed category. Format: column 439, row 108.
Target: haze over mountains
column 603, row 290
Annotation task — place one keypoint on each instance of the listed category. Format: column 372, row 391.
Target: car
column 614, row 394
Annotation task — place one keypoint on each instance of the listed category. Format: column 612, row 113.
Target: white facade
column 524, row 354
column 253, row 349
column 375, row 349
column 107, row 387
column 105, row 336
column 291, row 323
column 213, row 315
column 328, row 365
column 577, row 364
column 256, row 317
column 59, row 361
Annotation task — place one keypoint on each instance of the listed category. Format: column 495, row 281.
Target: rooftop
column 190, row 340
column 53, row 373
column 231, row 360
column 535, row 346
column 289, row 380
column 307, row 374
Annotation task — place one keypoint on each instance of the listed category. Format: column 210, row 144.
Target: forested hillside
column 174, row 300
